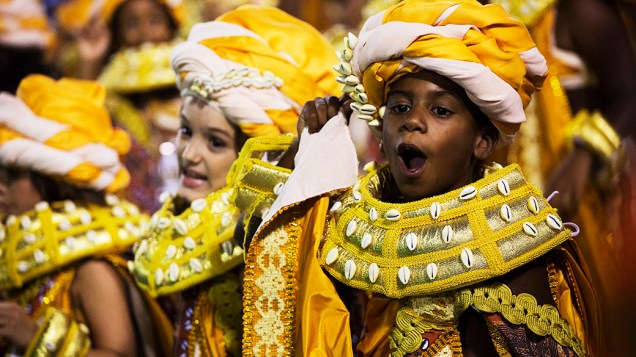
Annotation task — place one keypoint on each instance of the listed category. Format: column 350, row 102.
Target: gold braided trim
column 526, row 11
column 59, row 335
column 178, row 252
column 53, row 236
column 441, row 243
column 595, row 133
column 254, row 179
column 523, row 309
column 406, row 336
column 225, row 295
column 269, row 288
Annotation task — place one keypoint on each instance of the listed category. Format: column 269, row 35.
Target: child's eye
column 217, row 143
column 442, row 112
column 400, row 108
column 184, row 130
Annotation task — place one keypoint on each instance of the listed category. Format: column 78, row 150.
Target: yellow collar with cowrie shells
column 440, row 243
column 54, row 235
column 178, row 252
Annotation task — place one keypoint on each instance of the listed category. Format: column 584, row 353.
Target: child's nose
column 416, row 121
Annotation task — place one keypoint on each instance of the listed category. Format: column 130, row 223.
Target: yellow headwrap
column 23, row 23
column 480, row 47
column 75, row 14
column 258, row 65
column 62, row 129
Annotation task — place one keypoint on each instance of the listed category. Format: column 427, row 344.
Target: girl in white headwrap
column 435, row 253
column 242, row 76
column 65, row 291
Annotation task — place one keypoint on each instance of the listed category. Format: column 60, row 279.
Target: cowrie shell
column 369, row 166
column 336, row 206
column 404, row 274
column 41, row 206
column 435, row 210
column 141, row 249
column 363, row 98
column 163, row 223
column 225, row 198
column 505, row 213
column 173, row 272
column 171, row 251
column 504, row 187
column 332, row 256
column 359, row 88
column 180, row 226
column 69, row 206
column 365, row 117
column 85, row 218
column 39, row 256
column 374, row 271
column 131, row 266
column 198, row 205
column 411, row 241
column 158, row 276
column 64, row 225
column 350, row 269
column 196, row 265
column 356, row 106
column 70, row 242
column 431, row 271
column 347, row 54
column 369, row 109
column 374, row 122
column 29, row 238
column 351, row 227
column 343, row 68
column 278, row 188
column 530, row 229
column 352, row 40
column 122, row 233
column 130, row 227
column 392, row 214
column 382, row 111
column 227, row 247
column 25, row 222
column 467, row 193
column 118, row 212
column 23, row 266
column 11, row 220
column 447, row 234
column 91, row 235
column 467, row 257
column 189, row 243
column 352, row 80
column 373, row 214
column 533, row 205
column 111, row 199
column 357, row 196
column 366, row 241
column 134, row 210
column 164, row 196
column 554, row 222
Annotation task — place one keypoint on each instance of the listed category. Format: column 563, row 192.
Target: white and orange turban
column 258, row 65
column 479, row 47
column 62, row 129
column 23, row 23
column 75, row 14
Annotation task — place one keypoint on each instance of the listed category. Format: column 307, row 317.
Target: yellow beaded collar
column 440, row 243
column 178, row 252
column 53, row 236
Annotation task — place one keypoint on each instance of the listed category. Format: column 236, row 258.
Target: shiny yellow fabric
column 74, row 14
column 496, row 41
column 324, row 320
column 309, row 77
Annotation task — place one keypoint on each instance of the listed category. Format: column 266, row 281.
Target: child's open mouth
column 412, row 160
column 193, row 179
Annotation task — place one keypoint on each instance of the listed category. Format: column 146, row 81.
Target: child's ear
column 485, row 144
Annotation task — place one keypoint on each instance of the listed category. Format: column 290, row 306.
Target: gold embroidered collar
column 439, row 243
column 53, row 236
column 178, row 252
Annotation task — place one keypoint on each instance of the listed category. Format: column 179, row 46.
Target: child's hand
column 16, row 325
column 317, row 112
